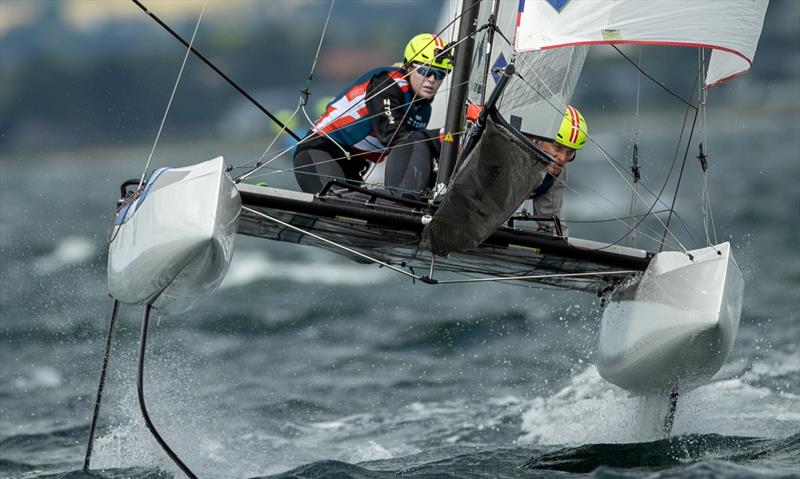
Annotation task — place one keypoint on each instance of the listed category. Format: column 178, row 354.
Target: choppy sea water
column 307, row 365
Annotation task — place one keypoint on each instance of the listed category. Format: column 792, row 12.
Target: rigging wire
column 332, row 243
column 671, row 168
column 698, row 79
column 309, row 136
column 214, row 67
column 304, row 93
column 172, row 96
column 617, row 168
column 612, row 161
column 319, row 48
column 296, row 171
column 708, row 215
column 430, row 280
column 287, row 149
column 635, row 170
column 663, row 86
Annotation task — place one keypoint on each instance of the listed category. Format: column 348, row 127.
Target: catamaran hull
column 673, row 330
column 174, row 243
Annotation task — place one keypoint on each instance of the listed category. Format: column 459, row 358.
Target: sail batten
column 731, row 29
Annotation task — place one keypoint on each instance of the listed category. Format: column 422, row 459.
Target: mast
column 458, row 92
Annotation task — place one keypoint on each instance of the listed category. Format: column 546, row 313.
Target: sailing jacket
column 548, row 198
column 373, row 113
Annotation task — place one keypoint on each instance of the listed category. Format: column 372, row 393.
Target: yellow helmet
column 573, row 130
column 429, row 49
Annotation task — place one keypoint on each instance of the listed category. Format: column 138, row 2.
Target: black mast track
column 407, row 222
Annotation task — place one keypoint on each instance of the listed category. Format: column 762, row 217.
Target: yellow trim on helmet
column 430, row 50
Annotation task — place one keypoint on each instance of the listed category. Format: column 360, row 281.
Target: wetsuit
column 369, row 119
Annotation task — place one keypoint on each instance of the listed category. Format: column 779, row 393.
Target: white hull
column 174, row 243
column 674, row 329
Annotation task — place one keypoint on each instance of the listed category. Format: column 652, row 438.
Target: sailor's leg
column 314, row 168
column 409, row 166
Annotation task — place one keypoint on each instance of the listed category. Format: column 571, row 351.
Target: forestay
column 731, row 28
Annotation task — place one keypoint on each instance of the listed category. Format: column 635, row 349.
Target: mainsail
column 535, row 101
column 730, row 28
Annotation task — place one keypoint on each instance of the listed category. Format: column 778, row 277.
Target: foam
column 71, row 251
column 249, row 267
column 590, row 410
column 42, row 377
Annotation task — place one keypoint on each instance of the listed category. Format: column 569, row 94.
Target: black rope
column 671, row 167
column 680, row 176
column 641, row 70
column 143, row 407
column 88, row 457
column 217, row 70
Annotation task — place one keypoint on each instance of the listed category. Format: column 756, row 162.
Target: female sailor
column 381, row 115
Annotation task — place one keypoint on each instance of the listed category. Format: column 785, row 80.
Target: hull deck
column 390, row 231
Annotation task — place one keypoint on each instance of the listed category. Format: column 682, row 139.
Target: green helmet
column 430, row 50
column 573, row 130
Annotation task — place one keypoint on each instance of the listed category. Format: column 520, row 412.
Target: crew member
column 549, row 195
column 382, row 115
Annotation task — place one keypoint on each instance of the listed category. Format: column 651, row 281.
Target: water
column 306, row 365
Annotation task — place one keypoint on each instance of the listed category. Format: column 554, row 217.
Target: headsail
column 731, row 28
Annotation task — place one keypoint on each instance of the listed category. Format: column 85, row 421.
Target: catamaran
column 670, row 317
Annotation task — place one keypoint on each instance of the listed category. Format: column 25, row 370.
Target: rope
column 705, row 197
column 616, row 166
column 680, row 177
column 635, row 159
column 606, row 155
column 307, row 137
column 697, row 79
column 172, row 95
column 332, row 243
column 653, row 79
column 319, row 47
column 311, row 135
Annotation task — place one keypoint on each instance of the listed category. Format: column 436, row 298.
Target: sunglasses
column 427, row 71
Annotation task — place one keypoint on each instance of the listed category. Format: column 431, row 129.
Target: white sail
column 534, row 101
column 731, row 28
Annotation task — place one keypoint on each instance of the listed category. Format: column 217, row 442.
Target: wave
column 250, row 266
column 589, row 410
column 40, row 377
column 70, row 251
column 666, row 453
column 455, row 334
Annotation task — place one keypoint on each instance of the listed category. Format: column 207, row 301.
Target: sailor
column 382, row 115
column 549, row 195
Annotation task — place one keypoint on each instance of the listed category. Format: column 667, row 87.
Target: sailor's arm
column 550, row 203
